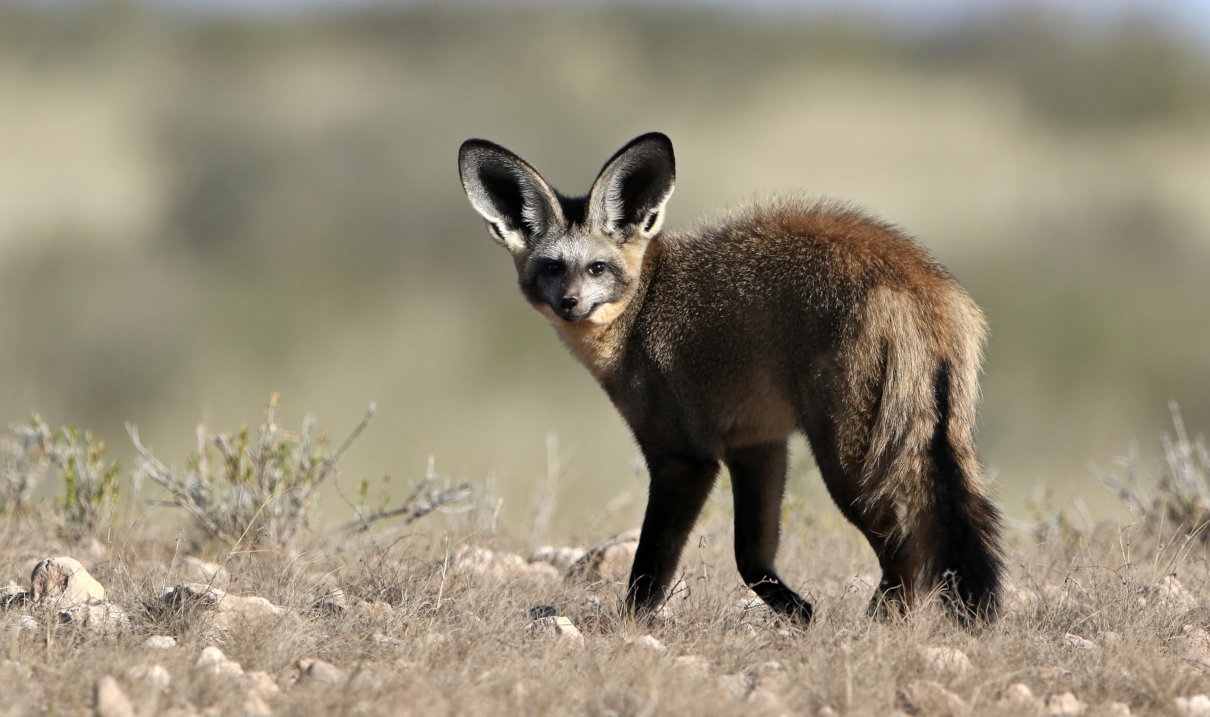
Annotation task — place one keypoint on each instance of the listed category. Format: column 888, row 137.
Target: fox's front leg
column 679, row 486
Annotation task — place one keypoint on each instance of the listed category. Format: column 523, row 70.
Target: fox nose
column 567, row 303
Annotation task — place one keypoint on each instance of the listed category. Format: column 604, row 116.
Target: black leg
column 679, row 487
column 758, row 480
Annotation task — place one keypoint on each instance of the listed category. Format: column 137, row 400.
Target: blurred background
column 204, row 202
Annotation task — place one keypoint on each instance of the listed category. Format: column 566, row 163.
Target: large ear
column 629, row 195
column 507, row 192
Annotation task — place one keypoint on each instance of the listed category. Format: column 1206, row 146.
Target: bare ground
column 1108, row 615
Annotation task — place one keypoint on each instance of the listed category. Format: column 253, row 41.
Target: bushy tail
column 965, row 523
column 921, row 463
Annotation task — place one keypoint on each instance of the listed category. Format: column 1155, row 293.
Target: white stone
column 254, row 705
column 154, row 676
column 261, row 683
column 1195, row 706
column 501, row 565
column 212, row 661
column 228, row 611
column 559, row 627
column 105, row 619
column 930, row 698
column 196, row 570
column 64, row 582
column 561, row 558
column 1065, row 705
column 109, row 700
column 316, row 671
column 1017, row 697
column 1073, row 640
column 648, row 642
column 160, row 642
column 946, row 660
column 607, row 561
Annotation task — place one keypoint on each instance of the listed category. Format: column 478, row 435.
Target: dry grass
column 462, row 644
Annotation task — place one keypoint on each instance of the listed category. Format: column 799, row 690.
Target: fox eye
column 551, row 267
column 596, row 268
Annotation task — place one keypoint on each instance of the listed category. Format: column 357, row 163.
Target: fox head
column 577, row 258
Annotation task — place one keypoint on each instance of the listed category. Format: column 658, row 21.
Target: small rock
column 648, row 642
column 827, row 711
column 692, row 663
column 160, row 642
column 1109, row 637
column 500, row 565
column 1114, row 709
column 744, row 688
column 946, row 660
column 332, row 601
column 1195, row 706
column 213, row 661
column 13, row 596
column 316, row 671
column 262, row 684
column 103, row 619
column 372, row 609
column 1018, row 698
column 1079, row 643
column 737, row 686
column 64, row 581
column 765, row 701
column 558, row 627
column 1065, row 705
column 540, row 611
column 109, row 700
column 19, row 624
column 1194, row 645
column 925, row 697
column 607, row 561
column 1174, row 595
column 769, row 673
column 228, row 611
column 196, row 570
column 327, row 594
column 561, row 558
column 254, row 705
column 154, row 676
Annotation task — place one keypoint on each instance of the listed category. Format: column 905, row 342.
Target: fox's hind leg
column 758, row 479
column 877, row 526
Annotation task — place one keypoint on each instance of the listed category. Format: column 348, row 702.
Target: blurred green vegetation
column 196, row 211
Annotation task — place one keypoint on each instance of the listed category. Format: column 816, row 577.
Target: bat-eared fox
column 717, row 344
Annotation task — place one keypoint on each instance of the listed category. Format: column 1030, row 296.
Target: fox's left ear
column 628, row 197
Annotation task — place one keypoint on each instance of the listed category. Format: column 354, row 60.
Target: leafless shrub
column 243, row 486
column 259, row 488
column 430, row 494
column 1180, row 496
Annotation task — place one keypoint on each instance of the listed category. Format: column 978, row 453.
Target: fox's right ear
column 508, row 193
